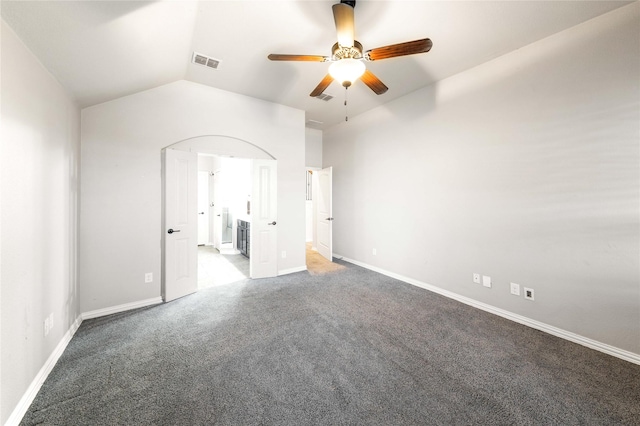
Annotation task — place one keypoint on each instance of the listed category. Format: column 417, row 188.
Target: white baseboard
column 121, row 308
column 292, row 270
column 23, row 405
column 567, row 335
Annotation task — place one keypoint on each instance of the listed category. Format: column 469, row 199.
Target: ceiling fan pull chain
column 346, row 108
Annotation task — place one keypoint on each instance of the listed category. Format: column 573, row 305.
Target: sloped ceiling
column 102, row 50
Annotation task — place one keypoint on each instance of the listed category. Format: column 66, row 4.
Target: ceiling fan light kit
column 347, row 55
column 346, row 71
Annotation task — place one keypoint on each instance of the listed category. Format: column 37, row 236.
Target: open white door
column 324, row 218
column 179, row 277
column 264, row 235
column 203, row 208
column 217, row 210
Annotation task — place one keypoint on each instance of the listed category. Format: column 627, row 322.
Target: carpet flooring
column 347, row 348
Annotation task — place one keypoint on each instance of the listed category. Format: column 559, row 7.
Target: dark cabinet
column 244, row 239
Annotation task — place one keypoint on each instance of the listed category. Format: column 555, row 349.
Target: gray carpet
column 348, row 348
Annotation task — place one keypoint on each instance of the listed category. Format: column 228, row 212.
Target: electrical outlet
column 515, row 289
column 528, row 293
column 148, row 277
column 284, row 254
column 486, row 281
column 476, row 278
column 375, row 252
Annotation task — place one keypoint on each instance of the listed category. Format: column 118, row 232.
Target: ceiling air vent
column 324, row 97
column 213, row 63
column 207, row 61
column 312, row 123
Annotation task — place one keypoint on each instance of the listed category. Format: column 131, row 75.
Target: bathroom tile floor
column 219, row 269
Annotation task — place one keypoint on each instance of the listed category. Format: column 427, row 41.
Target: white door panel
column 180, row 224
column 217, row 210
column 264, row 234
column 203, row 208
column 325, row 213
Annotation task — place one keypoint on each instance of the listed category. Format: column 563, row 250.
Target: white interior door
column 211, row 208
column 217, row 209
column 264, row 235
column 203, row 207
column 324, row 219
column 180, row 224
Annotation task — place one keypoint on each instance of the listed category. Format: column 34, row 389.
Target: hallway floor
column 318, row 265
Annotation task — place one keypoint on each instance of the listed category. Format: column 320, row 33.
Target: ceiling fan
column 347, row 55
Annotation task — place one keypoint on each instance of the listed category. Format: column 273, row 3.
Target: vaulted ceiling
column 102, row 50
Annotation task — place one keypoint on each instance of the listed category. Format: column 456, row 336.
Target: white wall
column 205, row 163
column 313, row 148
column 524, row 169
column 313, row 160
column 39, row 187
column 121, row 186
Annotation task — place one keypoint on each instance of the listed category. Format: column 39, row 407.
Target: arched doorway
column 179, row 218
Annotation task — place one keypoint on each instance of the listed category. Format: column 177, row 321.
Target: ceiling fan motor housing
column 354, row 52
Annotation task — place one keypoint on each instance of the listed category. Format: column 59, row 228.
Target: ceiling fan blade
column 311, row 58
column 400, row 49
column 373, row 82
column 326, row 81
column 345, row 27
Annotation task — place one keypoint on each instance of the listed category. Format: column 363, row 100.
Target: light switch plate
column 486, row 281
column 515, row 289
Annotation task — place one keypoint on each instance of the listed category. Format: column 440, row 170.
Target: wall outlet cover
column 528, row 293
column 486, row 281
column 284, row 254
column 148, row 277
column 515, row 289
column 476, row 278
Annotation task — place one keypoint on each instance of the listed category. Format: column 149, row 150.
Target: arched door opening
column 246, row 199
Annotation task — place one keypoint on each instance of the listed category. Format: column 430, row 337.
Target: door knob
column 171, row 231
column 201, row 213
column 272, row 223
column 329, row 218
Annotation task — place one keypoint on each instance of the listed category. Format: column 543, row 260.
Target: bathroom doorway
column 224, row 200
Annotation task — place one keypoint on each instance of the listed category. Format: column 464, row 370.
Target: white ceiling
column 102, row 50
